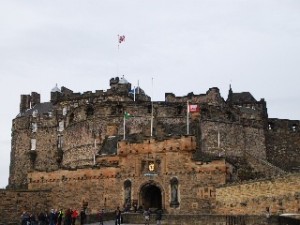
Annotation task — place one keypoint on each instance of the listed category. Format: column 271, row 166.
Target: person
column 32, row 219
column 101, row 217
column 118, row 216
column 68, row 217
column 52, row 217
column 158, row 216
column 60, row 216
column 147, row 216
column 82, row 216
column 74, row 216
column 25, row 218
column 135, row 207
column 43, row 218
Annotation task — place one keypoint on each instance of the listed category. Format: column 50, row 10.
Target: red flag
column 194, row 108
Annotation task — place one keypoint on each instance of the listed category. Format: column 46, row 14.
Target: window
column 179, row 110
column 270, row 126
column 34, row 127
column 59, row 142
column 65, row 111
column 61, row 126
column 89, row 111
column 71, row 118
column 33, row 144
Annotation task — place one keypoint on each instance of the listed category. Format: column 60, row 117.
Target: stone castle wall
column 283, row 141
column 82, row 134
column 103, row 187
column 13, row 203
column 278, row 195
column 78, row 153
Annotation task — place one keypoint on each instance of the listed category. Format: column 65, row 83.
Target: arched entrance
column 150, row 196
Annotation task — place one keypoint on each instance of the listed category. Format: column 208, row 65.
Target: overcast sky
column 185, row 46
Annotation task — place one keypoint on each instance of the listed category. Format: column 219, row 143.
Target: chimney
column 25, row 103
column 35, row 99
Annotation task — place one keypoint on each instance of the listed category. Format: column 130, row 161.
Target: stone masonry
column 82, row 150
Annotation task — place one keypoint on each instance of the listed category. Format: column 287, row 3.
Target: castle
column 190, row 154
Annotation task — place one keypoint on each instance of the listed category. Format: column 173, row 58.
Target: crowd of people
column 70, row 216
column 53, row 217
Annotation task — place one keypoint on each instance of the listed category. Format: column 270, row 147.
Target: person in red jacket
column 74, row 216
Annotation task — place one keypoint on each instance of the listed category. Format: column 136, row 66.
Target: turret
column 120, row 85
column 55, row 93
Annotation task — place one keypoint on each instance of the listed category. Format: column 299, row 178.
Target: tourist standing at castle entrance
column 82, row 216
column 25, row 218
column 60, row 216
column 158, row 216
column 147, row 216
column 68, row 217
column 118, row 216
column 74, row 216
column 101, row 217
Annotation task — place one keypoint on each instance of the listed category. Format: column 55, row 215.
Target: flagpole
column 118, row 55
column 218, row 137
column 134, row 93
column 124, row 127
column 187, row 118
column 95, row 146
column 152, row 110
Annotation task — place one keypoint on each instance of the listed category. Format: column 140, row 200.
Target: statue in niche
column 174, row 193
column 127, row 195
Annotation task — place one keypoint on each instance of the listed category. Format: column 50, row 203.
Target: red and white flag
column 194, row 108
column 121, row 38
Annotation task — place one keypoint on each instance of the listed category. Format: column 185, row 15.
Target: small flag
column 121, row 38
column 127, row 115
column 194, row 108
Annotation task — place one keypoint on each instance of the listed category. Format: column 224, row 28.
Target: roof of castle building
column 123, row 80
column 242, row 97
column 40, row 108
column 55, row 89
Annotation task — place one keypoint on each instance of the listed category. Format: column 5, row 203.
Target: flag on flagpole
column 193, row 108
column 126, row 117
column 121, row 38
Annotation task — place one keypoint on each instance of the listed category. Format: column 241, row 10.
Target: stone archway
column 150, row 196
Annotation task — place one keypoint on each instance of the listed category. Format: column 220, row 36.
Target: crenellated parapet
column 212, row 97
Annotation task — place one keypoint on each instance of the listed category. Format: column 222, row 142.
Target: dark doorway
column 150, row 197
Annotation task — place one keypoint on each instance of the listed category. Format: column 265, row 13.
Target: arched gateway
column 150, row 196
